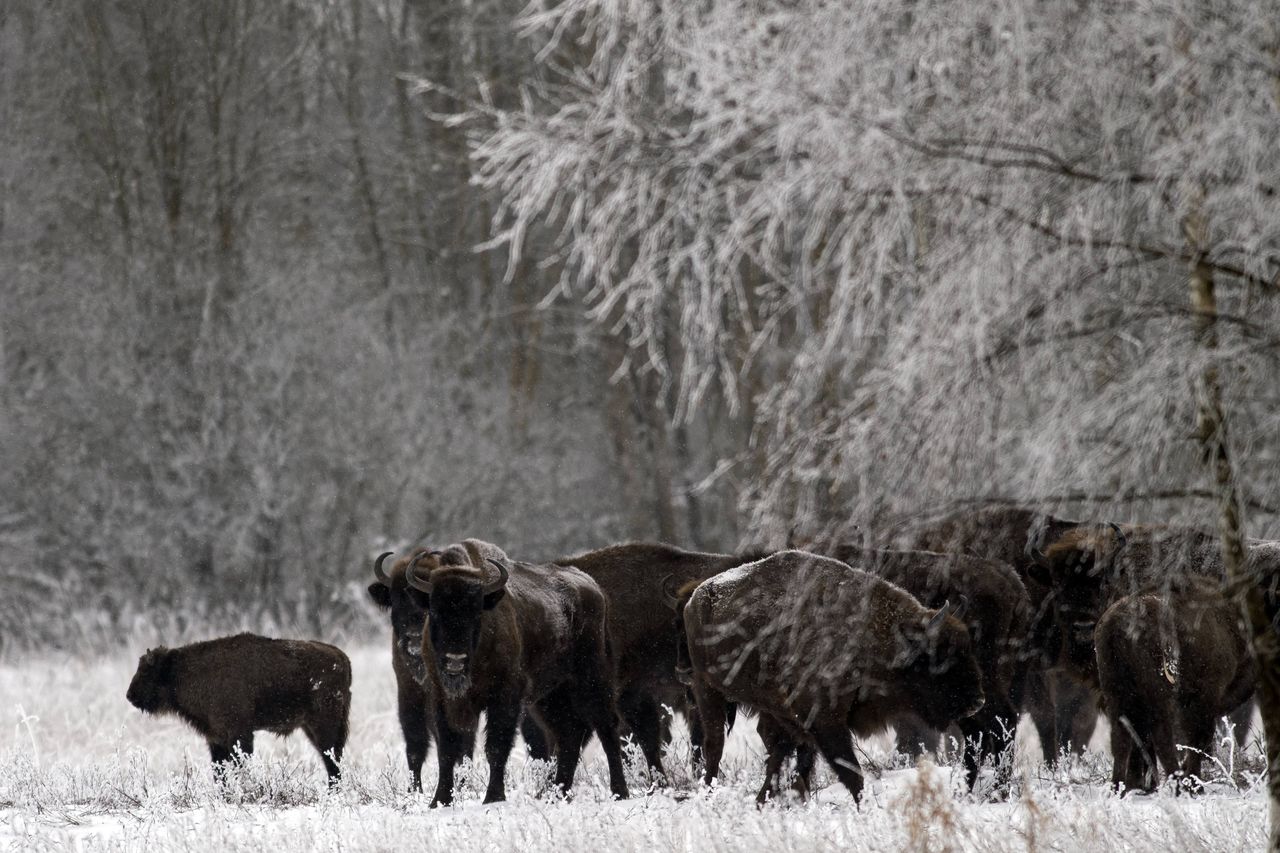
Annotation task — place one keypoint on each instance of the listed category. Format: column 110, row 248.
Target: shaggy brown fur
column 537, row 638
column 636, row 577
column 228, row 688
column 998, row 616
column 1169, row 667
column 1093, row 566
column 822, row 648
column 1063, row 711
column 413, row 702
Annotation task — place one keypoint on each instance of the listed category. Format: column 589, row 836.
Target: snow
column 81, row 769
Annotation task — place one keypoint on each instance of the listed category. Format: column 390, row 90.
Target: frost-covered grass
column 81, row 769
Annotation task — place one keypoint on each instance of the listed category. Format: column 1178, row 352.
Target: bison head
column 392, row 594
column 941, row 669
column 455, row 597
column 150, row 689
column 1077, row 568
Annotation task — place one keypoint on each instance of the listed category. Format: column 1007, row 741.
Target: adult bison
column 632, row 576
column 1063, row 711
column 502, row 634
column 1169, row 666
column 998, row 616
column 414, row 705
column 1090, row 567
column 228, row 688
column 821, row 648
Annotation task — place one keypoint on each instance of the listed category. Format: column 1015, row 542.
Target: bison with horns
column 996, row 610
column 532, row 636
column 1063, row 711
column 818, row 648
column 228, row 688
column 414, row 703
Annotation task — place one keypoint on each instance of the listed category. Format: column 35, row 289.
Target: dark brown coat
column 501, row 635
column 1093, row 566
column 1063, row 711
column 414, row 704
column 636, row 578
column 997, row 613
column 1169, row 666
column 822, row 648
column 228, row 688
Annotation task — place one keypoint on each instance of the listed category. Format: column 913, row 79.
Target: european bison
column 1063, row 711
column 1169, row 667
column 997, row 614
column 414, row 704
column 228, row 688
column 633, row 576
column 821, row 648
column 1092, row 566
column 502, row 634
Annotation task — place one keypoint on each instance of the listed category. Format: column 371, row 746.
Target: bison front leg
column 989, row 732
column 415, row 725
column 501, row 718
column 451, row 747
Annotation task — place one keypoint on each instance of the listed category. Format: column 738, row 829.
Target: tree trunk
column 1211, row 430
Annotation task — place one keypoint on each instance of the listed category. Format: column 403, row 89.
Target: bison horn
column 412, row 578
column 669, row 596
column 962, row 608
column 1121, row 539
column 377, row 569
column 494, row 586
column 935, row 621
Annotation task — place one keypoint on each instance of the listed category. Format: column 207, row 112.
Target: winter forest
column 288, row 283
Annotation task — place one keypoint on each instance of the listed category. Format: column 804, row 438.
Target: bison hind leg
column 569, row 731
column 835, row 741
column 644, row 718
column 329, row 737
column 536, row 742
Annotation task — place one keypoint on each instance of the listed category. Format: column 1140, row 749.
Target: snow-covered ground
column 81, row 769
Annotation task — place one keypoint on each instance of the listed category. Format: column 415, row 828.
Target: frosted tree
column 940, row 252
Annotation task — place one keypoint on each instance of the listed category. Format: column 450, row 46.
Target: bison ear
column 380, row 594
column 491, row 599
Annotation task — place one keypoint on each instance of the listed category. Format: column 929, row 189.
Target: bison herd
column 968, row 622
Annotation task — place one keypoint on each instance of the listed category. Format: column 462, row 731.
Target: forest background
column 286, row 283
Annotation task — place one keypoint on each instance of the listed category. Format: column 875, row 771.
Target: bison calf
column 228, row 688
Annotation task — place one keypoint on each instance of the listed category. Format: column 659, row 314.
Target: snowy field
column 80, row 769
